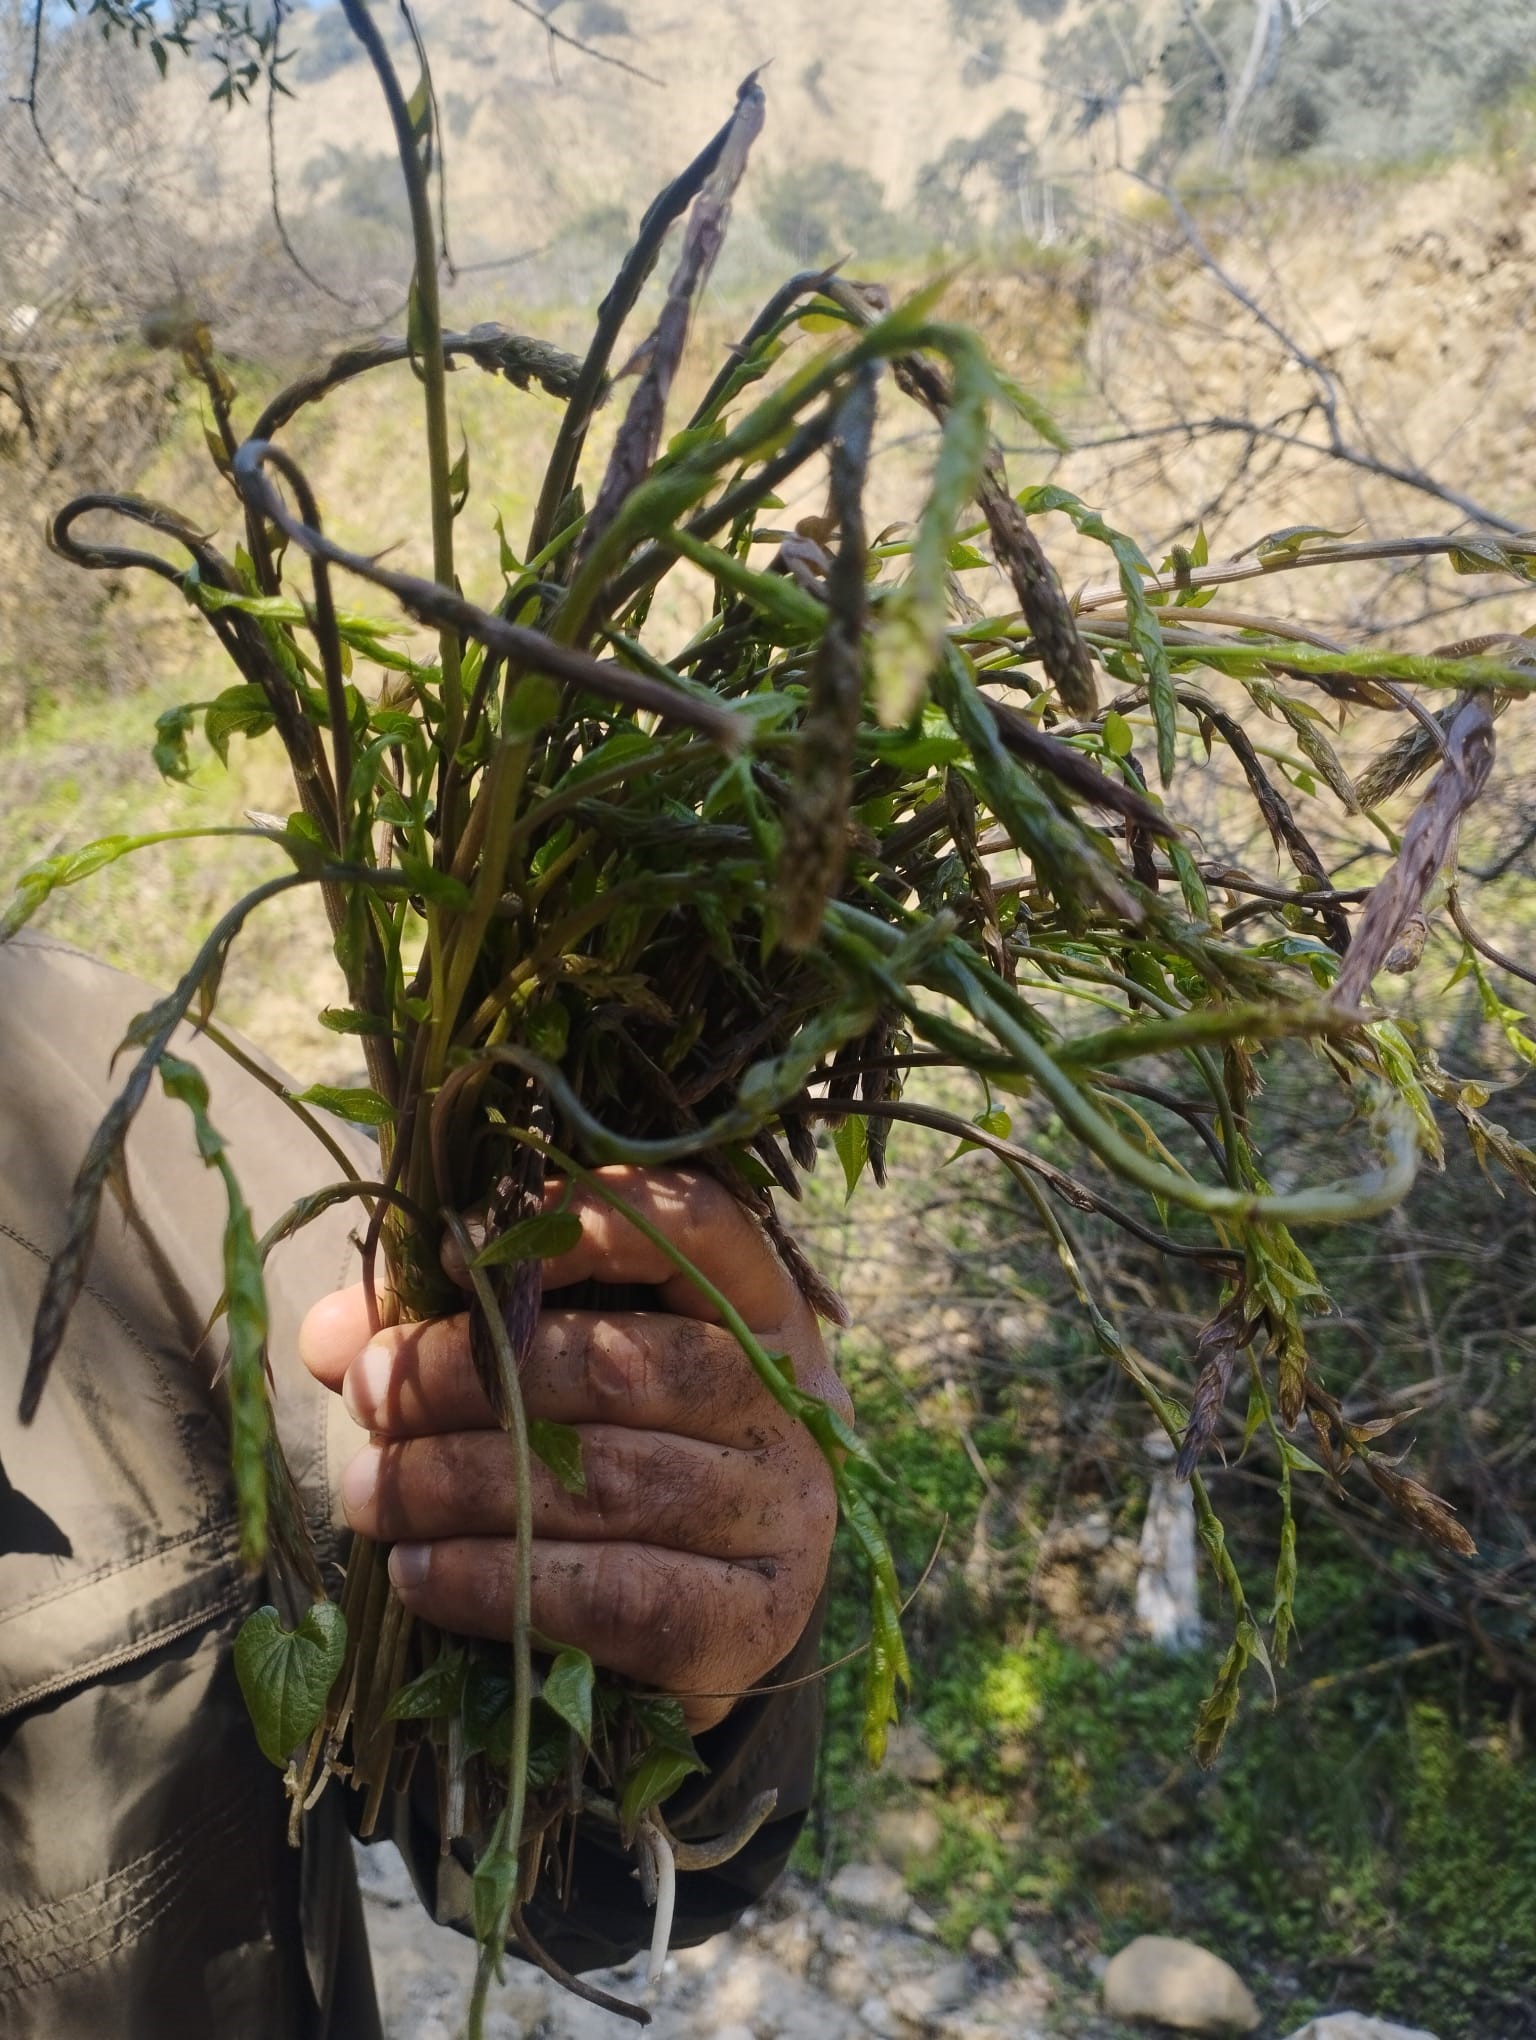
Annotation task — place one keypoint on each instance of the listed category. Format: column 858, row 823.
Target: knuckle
column 619, row 1369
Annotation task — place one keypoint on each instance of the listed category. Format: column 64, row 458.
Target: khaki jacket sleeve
column 147, row 1886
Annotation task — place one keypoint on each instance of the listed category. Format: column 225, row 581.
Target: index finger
column 703, row 1221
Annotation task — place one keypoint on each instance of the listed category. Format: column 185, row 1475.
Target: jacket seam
column 105, row 1571
column 45, row 1689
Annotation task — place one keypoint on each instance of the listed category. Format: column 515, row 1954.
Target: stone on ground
column 1175, row 1983
column 910, row 1756
column 870, row 1891
column 905, row 1834
column 1357, row 2026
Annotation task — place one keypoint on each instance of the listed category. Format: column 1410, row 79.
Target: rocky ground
column 862, row 1961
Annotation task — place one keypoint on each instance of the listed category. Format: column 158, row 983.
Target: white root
column 657, row 1856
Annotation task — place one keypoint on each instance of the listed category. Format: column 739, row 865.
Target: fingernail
column 359, row 1479
column 409, row 1565
column 366, row 1388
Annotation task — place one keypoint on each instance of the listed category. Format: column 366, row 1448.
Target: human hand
column 693, row 1560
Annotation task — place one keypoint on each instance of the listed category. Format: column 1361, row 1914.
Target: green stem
column 509, row 1829
column 432, row 367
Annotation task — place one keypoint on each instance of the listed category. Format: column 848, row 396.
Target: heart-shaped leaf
column 286, row 1674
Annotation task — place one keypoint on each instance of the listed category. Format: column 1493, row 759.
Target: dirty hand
column 693, row 1560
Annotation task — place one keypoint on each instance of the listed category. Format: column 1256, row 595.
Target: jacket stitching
column 61, row 1592
column 75, row 1675
column 128, row 1902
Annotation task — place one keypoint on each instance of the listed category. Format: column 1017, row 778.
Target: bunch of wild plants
column 600, row 894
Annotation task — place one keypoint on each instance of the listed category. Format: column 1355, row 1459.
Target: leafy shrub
column 824, row 207
column 1373, row 79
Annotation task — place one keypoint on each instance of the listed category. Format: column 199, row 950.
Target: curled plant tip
column 656, row 361
column 1279, row 819
column 519, row 358
column 1409, row 756
column 432, row 603
column 711, row 1855
column 815, row 845
column 1042, row 598
column 578, row 1986
column 1216, row 1349
column 1077, row 773
column 1428, row 841
column 1430, row 1516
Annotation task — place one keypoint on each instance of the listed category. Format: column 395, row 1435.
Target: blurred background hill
column 1271, row 262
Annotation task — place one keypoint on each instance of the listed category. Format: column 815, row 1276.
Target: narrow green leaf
column 538, row 1238
column 775, row 594
column 911, row 620
column 653, row 1781
column 510, row 563
column 1118, row 737
column 534, row 701
column 1288, row 542
column 851, row 1140
column 170, row 753
column 360, row 1106
column 559, row 1446
column 996, row 1122
column 458, row 481
column 1032, row 411
column 347, row 1020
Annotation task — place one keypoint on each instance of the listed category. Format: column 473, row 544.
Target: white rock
column 905, row 1832
column 988, row 2029
column 1175, row 1983
column 869, row 1891
column 791, row 1944
column 733, row 2033
column 922, row 2000
column 382, row 1875
column 985, row 1945
column 920, row 1922
column 1083, row 1539
column 1167, row 1577
column 1357, row 2026
column 877, row 2015
column 910, row 1755
column 847, row 1981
